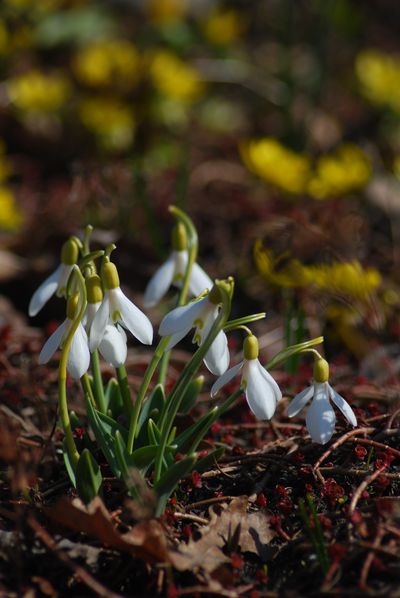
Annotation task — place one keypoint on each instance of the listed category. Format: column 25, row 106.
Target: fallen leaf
column 252, row 533
column 145, row 540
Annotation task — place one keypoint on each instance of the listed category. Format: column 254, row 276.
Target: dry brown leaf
column 252, row 530
column 145, row 540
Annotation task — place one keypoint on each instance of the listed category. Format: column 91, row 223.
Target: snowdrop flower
column 116, row 307
column 261, row 391
column 201, row 315
column 173, row 271
column 78, row 356
column 321, row 418
column 113, row 345
column 57, row 281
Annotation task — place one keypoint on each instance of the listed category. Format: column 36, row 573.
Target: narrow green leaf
column 199, row 428
column 102, row 432
column 191, row 395
column 169, row 480
column 69, row 466
column 88, row 477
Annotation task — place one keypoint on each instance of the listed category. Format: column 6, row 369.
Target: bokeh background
column 274, row 124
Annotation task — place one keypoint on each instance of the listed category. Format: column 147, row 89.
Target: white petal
column 79, row 356
column 217, row 357
column 175, row 338
column 271, row 381
column 66, row 270
column 113, row 346
column 181, row 260
column 320, row 418
column 46, row 290
column 199, row 280
column 122, row 332
column 90, row 312
column 159, row 283
column 99, row 323
column 52, row 343
column 299, row 401
column 225, row 378
column 182, row 318
column 134, row 319
column 343, row 405
column 260, row 393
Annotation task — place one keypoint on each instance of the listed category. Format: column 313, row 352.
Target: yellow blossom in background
column 4, row 38
column 10, row 215
column 165, row 11
column 336, row 174
column 343, row 278
column 224, row 26
column 35, row 91
column 107, row 62
column 110, row 120
column 379, row 77
column 175, row 78
column 276, row 164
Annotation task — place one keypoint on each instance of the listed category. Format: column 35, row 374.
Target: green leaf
column 69, row 466
column 169, row 480
column 113, row 398
column 76, row 26
column 88, row 477
column 191, row 395
column 104, row 433
column 153, row 432
column 206, row 462
column 198, row 429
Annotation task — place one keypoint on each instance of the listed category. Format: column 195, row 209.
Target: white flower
column 261, row 391
column 172, row 272
column 119, row 309
column 113, row 346
column 57, row 281
column 200, row 315
column 321, row 418
column 78, row 356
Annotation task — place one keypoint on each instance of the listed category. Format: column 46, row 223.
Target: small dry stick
column 335, row 445
column 369, row 558
column 364, row 484
column 79, row 571
column 380, row 445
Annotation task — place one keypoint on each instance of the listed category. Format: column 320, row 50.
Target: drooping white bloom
column 113, row 345
column 117, row 308
column 321, row 418
column 200, row 315
column 78, row 356
column 172, row 273
column 57, row 281
column 261, row 391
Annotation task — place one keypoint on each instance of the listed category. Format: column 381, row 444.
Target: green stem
column 87, row 388
column 299, row 348
column 193, row 244
column 151, row 368
column 98, row 383
column 62, row 373
column 233, row 324
column 172, row 406
column 162, row 373
column 123, row 384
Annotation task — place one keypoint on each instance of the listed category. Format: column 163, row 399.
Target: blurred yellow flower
column 379, row 77
column 344, row 278
column 107, row 62
column 336, row 174
column 165, row 11
column 10, row 215
column 276, row 164
column 35, row 91
column 224, row 26
column 111, row 121
column 174, row 78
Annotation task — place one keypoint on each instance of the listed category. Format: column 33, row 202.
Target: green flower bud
column 179, row 237
column 214, row 296
column 69, row 252
column 94, row 289
column 250, row 347
column 321, row 370
column 72, row 306
column 109, row 275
